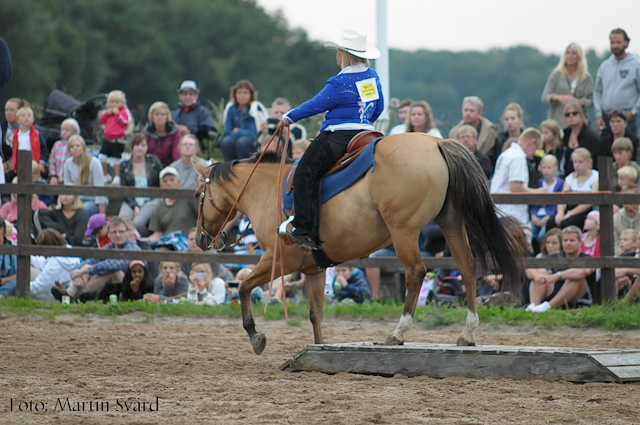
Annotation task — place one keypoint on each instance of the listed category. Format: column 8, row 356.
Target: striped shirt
column 57, row 157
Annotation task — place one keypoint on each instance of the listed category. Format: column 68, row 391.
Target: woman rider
column 353, row 101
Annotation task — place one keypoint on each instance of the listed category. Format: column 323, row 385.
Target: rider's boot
column 296, row 235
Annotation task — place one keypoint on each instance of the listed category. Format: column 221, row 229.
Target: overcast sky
column 549, row 25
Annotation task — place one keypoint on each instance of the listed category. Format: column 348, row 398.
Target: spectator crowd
column 560, row 155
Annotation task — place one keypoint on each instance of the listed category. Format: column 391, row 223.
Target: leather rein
column 207, row 188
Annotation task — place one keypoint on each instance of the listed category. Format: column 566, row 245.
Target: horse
column 417, row 178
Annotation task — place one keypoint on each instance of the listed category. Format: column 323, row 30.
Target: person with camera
column 279, row 107
column 204, row 288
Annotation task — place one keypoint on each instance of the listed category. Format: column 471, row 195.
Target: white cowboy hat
column 354, row 43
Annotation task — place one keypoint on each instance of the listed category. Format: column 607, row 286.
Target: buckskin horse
column 417, row 178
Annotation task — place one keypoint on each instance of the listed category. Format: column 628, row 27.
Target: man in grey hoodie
column 617, row 85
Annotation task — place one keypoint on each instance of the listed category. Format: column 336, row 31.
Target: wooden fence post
column 24, row 223
column 607, row 279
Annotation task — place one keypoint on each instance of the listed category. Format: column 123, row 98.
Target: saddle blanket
column 339, row 181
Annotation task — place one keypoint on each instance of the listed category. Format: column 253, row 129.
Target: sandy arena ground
column 204, row 371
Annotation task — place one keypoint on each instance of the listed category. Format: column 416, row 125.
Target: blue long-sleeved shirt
column 353, row 99
column 196, row 119
column 111, row 265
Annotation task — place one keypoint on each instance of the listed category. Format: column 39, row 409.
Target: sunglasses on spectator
column 572, row 113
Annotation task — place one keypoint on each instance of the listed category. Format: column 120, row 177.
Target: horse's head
column 213, row 209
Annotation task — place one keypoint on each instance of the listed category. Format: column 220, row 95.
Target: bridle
column 214, row 239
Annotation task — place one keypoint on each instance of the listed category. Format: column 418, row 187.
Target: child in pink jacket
column 115, row 119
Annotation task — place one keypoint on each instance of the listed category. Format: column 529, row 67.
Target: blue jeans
column 237, row 147
column 91, row 207
column 9, row 288
column 539, row 232
column 384, row 252
column 359, row 294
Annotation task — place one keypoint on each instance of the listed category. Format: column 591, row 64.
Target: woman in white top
column 583, row 179
column 421, row 119
column 204, row 288
column 86, row 170
column 56, row 269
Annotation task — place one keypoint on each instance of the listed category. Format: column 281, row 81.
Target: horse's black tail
column 468, row 194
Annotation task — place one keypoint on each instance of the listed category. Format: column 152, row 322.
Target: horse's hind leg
column 456, row 236
column 315, row 290
column 259, row 275
column 414, row 269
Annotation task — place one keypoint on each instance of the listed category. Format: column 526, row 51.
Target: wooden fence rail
column 604, row 199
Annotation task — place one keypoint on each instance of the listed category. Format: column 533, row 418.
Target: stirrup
column 282, row 230
column 290, row 238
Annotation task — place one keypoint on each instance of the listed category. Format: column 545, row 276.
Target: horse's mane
column 224, row 170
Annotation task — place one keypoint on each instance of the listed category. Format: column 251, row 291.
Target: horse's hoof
column 462, row 342
column 258, row 342
column 393, row 340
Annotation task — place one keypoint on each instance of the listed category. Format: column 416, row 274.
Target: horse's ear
column 201, row 169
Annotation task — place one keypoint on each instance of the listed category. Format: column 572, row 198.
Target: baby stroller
column 60, row 106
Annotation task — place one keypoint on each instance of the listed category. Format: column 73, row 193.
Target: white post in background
column 382, row 63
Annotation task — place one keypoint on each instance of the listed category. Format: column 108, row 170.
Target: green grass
column 611, row 316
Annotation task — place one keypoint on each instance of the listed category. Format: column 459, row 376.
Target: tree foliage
column 147, row 47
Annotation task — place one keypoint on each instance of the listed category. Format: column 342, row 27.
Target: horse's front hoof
column 258, row 342
column 393, row 340
column 463, row 342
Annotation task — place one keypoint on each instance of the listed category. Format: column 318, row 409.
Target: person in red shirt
column 97, row 227
column 28, row 138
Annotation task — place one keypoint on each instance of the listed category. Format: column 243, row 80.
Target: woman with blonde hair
column 420, row 118
column 162, row 134
column 353, row 101
column 69, row 218
column 204, row 287
column 83, row 169
column 583, row 179
column 570, row 81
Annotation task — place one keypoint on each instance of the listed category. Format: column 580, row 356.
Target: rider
column 353, row 101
